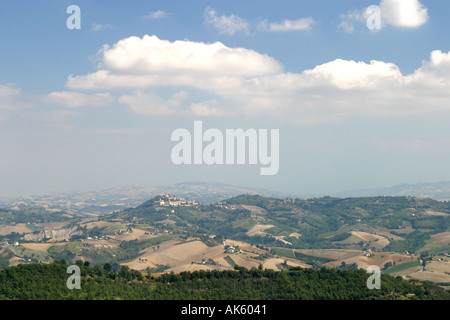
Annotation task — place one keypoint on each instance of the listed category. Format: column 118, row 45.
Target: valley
column 402, row 235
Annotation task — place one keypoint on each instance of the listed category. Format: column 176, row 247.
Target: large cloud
column 147, row 61
column 403, row 13
column 242, row 81
column 396, row 13
column 151, row 54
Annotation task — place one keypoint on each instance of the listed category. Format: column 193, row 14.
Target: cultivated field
column 442, row 239
column 335, row 254
column 295, row 235
column 273, row 263
column 435, row 213
column 175, row 254
column 435, row 271
column 386, row 234
column 245, row 260
column 258, row 229
column 14, row 261
column 281, row 238
column 405, row 230
column 196, row 267
column 376, row 241
column 43, row 247
column 19, row 228
column 244, row 246
column 378, row 259
column 133, row 235
column 254, row 209
column 430, row 276
column 105, row 224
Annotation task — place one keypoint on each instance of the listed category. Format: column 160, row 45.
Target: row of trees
column 40, row 281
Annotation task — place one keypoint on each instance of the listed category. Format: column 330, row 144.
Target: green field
column 401, row 267
column 289, row 253
column 350, row 240
column 230, row 261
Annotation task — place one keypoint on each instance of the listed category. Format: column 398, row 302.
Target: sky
column 360, row 96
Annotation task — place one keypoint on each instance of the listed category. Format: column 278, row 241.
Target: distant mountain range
column 437, row 191
column 114, row 199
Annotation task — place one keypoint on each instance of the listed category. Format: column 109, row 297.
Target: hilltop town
column 167, row 200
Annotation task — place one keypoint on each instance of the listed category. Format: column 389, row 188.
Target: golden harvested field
column 175, row 254
column 19, row 228
column 254, row 209
column 430, row 276
column 295, row 235
column 196, row 267
column 435, row 213
column 135, row 234
column 14, row 261
column 337, row 254
column 101, row 224
column 245, row 260
column 258, row 229
column 189, row 256
column 281, row 238
column 272, row 263
column 438, row 266
column 40, row 246
column 221, row 262
column 379, row 259
column 442, row 239
column 387, row 234
column 369, row 237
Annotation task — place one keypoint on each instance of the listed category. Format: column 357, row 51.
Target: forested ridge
column 48, row 282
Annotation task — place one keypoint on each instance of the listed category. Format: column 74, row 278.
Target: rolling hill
column 170, row 233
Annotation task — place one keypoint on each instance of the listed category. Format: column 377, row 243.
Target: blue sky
column 356, row 108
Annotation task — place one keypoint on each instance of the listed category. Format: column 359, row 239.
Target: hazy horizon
column 94, row 108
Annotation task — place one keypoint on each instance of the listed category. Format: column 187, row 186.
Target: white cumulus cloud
column 303, row 24
column 240, row 81
column 158, row 14
column 225, row 24
column 209, row 108
column 73, row 99
column 396, row 13
column 99, row 27
column 12, row 98
column 150, row 103
column 404, row 13
column 142, row 62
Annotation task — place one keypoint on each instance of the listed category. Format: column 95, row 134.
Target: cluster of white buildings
column 167, row 200
column 224, row 205
column 16, row 243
